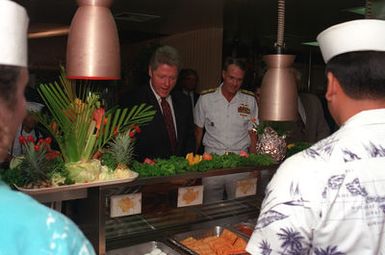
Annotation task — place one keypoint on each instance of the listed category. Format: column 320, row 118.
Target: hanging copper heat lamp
column 93, row 43
column 279, row 89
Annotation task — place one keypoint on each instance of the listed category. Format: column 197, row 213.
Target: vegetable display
column 180, row 165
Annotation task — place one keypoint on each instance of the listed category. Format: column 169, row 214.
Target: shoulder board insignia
column 248, row 92
column 208, row 91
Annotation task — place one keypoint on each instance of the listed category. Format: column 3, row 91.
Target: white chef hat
column 13, row 34
column 356, row 35
column 34, row 107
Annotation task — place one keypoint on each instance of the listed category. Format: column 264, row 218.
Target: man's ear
column 149, row 71
column 331, row 87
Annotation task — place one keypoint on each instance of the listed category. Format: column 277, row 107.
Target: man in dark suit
column 188, row 80
column 171, row 132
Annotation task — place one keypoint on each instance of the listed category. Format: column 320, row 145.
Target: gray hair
column 165, row 55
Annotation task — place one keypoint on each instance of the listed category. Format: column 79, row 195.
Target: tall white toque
column 13, row 34
column 356, row 35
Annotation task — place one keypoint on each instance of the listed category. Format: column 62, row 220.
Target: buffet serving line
column 93, row 208
column 86, row 169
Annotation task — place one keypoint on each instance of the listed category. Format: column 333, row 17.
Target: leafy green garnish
column 179, row 165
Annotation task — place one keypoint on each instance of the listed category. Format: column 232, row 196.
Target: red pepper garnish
column 149, row 161
column 131, row 134
column 22, row 140
column 30, row 139
column 48, row 140
column 243, row 154
column 36, row 147
column 116, row 132
column 137, row 129
column 97, row 116
column 52, row 155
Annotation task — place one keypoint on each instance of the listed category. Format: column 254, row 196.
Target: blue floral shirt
column 28, row 227
column 330, row 198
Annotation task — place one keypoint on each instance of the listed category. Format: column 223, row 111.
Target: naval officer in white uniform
column 226, row 114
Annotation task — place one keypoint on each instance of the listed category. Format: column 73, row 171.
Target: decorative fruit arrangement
column 82, row 130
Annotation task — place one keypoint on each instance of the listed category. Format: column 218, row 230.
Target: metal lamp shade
column 278, row 90
column 93, row 43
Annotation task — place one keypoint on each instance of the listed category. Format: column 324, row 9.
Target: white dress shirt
column 169, row 101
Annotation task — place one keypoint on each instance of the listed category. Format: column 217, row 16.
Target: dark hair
column 183, row 74
column 234, row 61
column 165, row 55
column 8, row 83
column 361, row 74
column 187, row 72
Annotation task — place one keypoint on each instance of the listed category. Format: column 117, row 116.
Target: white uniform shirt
column 330, row 198
column 226, row 123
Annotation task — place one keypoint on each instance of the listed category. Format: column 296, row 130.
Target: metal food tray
column 237, row 228
column 250, row 223
column 143, row 248
column 199, row 234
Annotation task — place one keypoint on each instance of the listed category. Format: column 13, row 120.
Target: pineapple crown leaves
column 121, row 149
column 35, row 167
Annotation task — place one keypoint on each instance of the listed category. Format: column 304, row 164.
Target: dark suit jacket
column 316, row 127
column 153, row 141
column 196, row 96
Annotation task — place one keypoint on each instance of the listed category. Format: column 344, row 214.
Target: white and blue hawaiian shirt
column 330, row 198
column 28, row 227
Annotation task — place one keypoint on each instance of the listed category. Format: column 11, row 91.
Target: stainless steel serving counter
column 89, row 207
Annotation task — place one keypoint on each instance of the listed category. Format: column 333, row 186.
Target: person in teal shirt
column 26, row 226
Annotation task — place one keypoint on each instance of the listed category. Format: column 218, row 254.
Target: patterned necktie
column 168, row 120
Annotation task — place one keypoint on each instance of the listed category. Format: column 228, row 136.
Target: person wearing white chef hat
column 29, row 128
column 330, row 198
column 27, row 227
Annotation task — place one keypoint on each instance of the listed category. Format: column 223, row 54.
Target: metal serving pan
column 199, row 234
column 245, row 228
column 143, row 248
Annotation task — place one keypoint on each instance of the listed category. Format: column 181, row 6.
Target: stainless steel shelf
column 159, row 226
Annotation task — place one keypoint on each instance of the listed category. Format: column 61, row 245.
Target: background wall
column 202, row 51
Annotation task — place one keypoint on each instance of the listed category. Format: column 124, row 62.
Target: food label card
column 246, row 187
column 127, row 204
column 192, row 195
